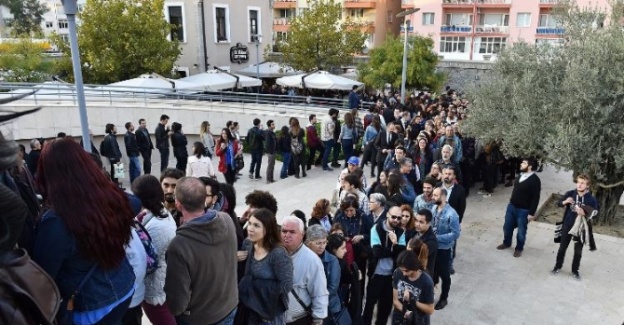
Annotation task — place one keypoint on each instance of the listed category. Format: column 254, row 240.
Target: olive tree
column 563, row 103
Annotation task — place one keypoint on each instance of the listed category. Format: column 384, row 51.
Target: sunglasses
column 395, row 217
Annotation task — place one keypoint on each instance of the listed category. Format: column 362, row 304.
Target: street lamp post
column 257, row 41
column 71, row 8
column 404, row 14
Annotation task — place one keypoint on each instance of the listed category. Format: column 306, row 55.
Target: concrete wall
column 464, row 74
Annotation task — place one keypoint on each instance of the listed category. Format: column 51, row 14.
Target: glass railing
column 550, row 30
column 456, row 29
column 490, row 29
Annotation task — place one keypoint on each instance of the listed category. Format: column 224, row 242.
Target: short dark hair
column 109, row 128
column 409, row 260
column 353, row 180
column 450, row 167
column 261, row 199
column 63, row 134
column 141, row 120
column 532, row 162
column 164, row 117
column 400, row 147
column 256, row 121
column 128, row 125
column 349, row 202
column 228, row 124
column 175, row 127
column 354, row 87
column 431, row 181
column 171, row 173
column 334, row 241
column 301, row 215
column 426, row 213
column 215, row 188
column 333, row 111
column 312, row 116
column 269, row 122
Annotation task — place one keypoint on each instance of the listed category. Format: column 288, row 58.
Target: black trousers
column 563, row 246
column 230, row 175
column 379, row 291
column 147, row 161
column 311, row 158
column 164, row 158
column 133, row 316
column 442, row 271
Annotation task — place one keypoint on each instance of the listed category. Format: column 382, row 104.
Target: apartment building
column 475, row 30
column 377, row 16
column 220, row 33
column 54, row 20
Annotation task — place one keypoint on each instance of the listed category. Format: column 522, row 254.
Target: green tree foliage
column 317, row 39
column 27, row 15
column 386, row 64
column 121, row 39
column 23, row 60
column 563, row 103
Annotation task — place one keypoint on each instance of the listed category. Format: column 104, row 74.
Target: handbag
column 558, row 227
column 342, row 317
column 68, row 318
column 119, row 170
column 239, row 162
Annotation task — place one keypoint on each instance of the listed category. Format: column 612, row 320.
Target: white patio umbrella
column 47, row 90
column 152, row 83
column 268, row 70
column 318, row 80
column 218, row 80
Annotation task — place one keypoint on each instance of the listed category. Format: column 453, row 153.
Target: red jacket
column 222, row 152
column 312, row 137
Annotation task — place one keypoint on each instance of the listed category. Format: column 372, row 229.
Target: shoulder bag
column 68, row 318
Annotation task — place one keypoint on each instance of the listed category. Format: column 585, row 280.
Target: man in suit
column 384, row 145
column 162, row 141
column 145, row 145
column 456, row 199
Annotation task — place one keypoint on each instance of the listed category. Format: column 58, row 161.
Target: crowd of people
column 173, row 248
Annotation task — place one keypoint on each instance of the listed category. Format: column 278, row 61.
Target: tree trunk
column 608, row 200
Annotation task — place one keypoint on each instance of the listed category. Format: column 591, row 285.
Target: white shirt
column 198, row 167
column 524, row 176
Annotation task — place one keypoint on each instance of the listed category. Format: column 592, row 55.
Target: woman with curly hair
column 408, row 223
column 82, row 237
column 321, row 214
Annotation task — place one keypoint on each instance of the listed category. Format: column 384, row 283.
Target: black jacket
column 381, row 142
column 114, row 155
column 144, row 140
column 93, row 148
column 283, row 143
column 132, row 147
column 386, row 249
column 429, row 238
column 32, row 160
column 162, row 138
column 457, row 200
column 179, row 142
column 270, row 145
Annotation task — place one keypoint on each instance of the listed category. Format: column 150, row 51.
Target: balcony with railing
column 281, row 24
column 494, row 3
column 549, row 31
column 408, row 4
column 456, row 29
column 491, row 29
column 547, row 3
column 410, row 29
column 284, row 4
column 360, row 4
column 457, row 3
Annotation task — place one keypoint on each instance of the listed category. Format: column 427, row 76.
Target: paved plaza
column 491, row 286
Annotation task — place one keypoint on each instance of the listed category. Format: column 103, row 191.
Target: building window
column 452, row 44
column 428, row 18
column 62, row 24
column 254, row 23
column 494, row 20
column 524, row 19
column 547, row 21
column 222, row 24
column 175, row 16
column 356, row 13
column 458, row 20
column 390, row 16
column 49, row 24
column 65, row 38
column 491, row 45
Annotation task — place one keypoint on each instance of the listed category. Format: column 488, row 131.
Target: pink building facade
column 476, row 30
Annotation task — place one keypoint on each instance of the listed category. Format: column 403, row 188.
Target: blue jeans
column 228, row 320
column 328, row 147
column 135, row 168
column 515, row 218
column 256, row 162
column 285, row 163
column 347, row 148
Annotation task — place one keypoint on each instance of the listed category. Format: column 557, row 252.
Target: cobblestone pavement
column 491, row 286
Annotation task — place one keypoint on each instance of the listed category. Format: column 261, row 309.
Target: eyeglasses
column 395, row 217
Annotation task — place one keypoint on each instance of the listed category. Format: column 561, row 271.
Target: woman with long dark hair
column 423, row 157
column 227, row 150
column 179, row 143
column 82, row 237
column 297, row 134
column 199, row 165
column 263, row 291
column 162, row 228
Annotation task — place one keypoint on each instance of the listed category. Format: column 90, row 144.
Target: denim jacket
column 56, row 251
column 446, row 226
column 332, row 272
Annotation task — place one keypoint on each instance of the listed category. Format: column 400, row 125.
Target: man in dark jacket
column 255, row 140
column 162, row 141
column 200, row 285
column 132, row 150
column 270, row 147
column 109, row 148
column 314, row 143
column 32, row 159
column 384, row 144
column 426, row 234
column 145, row 145
column 387, row 240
